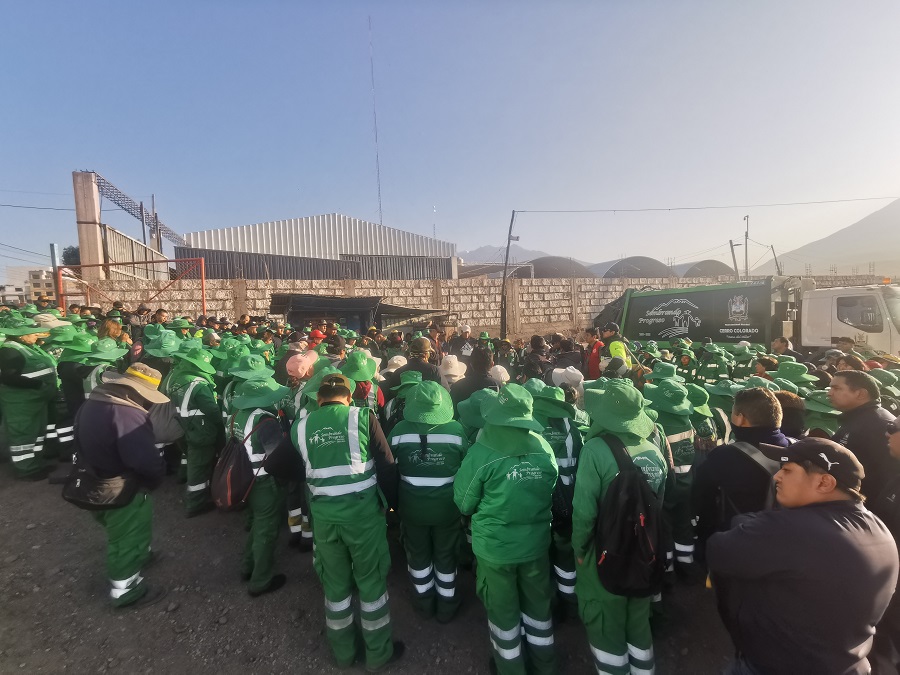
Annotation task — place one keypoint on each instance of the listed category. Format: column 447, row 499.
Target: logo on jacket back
column 524, row 471
column 327, row 436
column 652, row 470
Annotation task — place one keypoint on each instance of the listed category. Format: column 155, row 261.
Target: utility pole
column 509, row 240
column 777, row 264
column 737, row 273
column 747, row 248
column 143, row 224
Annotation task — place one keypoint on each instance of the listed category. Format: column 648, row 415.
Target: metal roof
column 323, row 236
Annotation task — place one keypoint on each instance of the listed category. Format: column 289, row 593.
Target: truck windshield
column 892, row 300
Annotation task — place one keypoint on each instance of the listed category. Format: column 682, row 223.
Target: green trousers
column 678, row 513
column 432, row 555
column 517, row 599
column 298, row 512
column 200, row 460
column 347, row 558
column 265, row 507
column 618, row 627
column 562, row 557
column 128, row 532
column 25, row 423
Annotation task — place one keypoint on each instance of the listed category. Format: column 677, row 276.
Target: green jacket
column 712, row 371
column 340, row 472
column 596, row 469
column 565, row 439
column 680, row 435
column 194, row 397
column 506, row 484
column 263, row 437
column 742, row 371
column 427, row 472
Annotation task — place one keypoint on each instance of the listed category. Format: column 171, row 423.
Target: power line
column 30, row 262
column 32, row 192
column 704, row 208
column 25, row 250
column 39, row 208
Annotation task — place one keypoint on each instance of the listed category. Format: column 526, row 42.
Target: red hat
column 317, row 334
column 873, row 364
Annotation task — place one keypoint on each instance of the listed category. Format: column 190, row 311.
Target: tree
column 71, row 255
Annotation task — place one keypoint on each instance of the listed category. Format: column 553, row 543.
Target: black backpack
column 628, row 535
column 233, row 476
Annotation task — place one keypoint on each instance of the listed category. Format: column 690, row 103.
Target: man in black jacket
column 863, row 427
column 801, row 588
column 476, row 378
column 114, row 437
column 733, row 479
column 419, row 352
column 462, row 345
column 783, row 347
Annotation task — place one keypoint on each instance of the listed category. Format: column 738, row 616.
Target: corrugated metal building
column 325, row 236
column 402, row 266
column 239, row 265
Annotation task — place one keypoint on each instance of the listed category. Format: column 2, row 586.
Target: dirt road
column 54, row 615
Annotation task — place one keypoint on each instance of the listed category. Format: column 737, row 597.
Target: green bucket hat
column 263, row 393
column 786, row 385
column 818, row 401
column 105, row 350
column 669, row 397
column 61, row 336
column 428, row 403
column 652, row 349
column 115, row 314
column 408, row 379
column 599, row 384
column 512, row 408
column 251, row 367
column 699, row 399
column 26, row 327
column 470, row 409
column 311, row 388
column 795, row 372
column 618, row 408
column 723, row 388
column 664, row 371
column 359, row 367
column 484, row 335
column 199, row 358
column 151, row 330
column 190, row 344
column 260, row 347
column 179, row 323
column 244, row 339
column 785, row 358
column 757, row 381
column 165, row 344
column 534, row 386
column 551, row 402
column 742, row 353
column 887, row 381
column 30, row 309
column 80, row 344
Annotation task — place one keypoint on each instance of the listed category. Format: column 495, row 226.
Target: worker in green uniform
column 429, row 447
column 744, row 363
column 190, row 387
column 618, row 627
column 470, row 414
column 506, row 484
column 705, row 438
column 392, row 414
column 563, row 436
column 670, row 400
column 342, row 447
column 721, row 401
column 255, row 423
column 713, row 366
column 28, row 383
column 360, row 368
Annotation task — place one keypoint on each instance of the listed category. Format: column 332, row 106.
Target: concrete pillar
column 437, row 294
column 240, row 297
column 87, row 216
column 349, row 288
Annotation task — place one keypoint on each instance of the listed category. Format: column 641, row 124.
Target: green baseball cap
column 428, row 403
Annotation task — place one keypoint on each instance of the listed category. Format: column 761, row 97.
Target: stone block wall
column 535, row 305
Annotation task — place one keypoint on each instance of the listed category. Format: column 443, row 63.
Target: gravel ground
column 54, row 615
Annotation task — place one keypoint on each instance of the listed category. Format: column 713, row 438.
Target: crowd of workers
column 777, row 474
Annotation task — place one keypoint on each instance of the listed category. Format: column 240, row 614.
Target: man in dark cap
column 801, row 588
column 615, row 343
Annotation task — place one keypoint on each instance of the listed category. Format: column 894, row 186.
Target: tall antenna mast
column 375, row 120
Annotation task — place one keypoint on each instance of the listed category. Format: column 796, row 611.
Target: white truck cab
column 868, row 314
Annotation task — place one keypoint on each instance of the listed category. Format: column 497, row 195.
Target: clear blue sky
column 236, row 112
